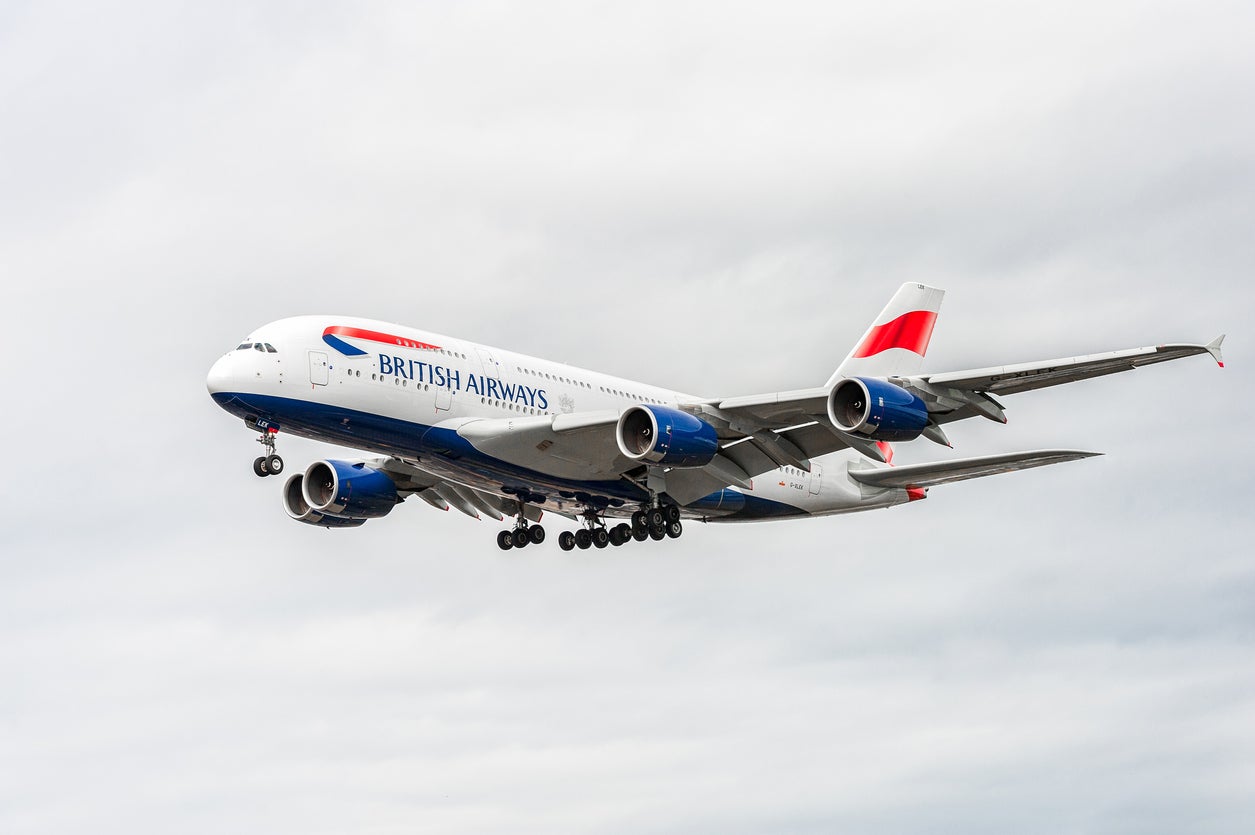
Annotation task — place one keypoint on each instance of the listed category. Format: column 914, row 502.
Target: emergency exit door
column 318, row 373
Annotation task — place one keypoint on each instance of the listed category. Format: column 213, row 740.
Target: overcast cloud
column 712, row 196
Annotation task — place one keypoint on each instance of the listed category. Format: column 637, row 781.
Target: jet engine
column 877, row 409
column 343, row 491
column 658, row 435
column 296, row 506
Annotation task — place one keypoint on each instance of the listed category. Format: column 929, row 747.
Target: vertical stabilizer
column 897, row 340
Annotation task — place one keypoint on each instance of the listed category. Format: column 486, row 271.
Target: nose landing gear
column 270, row 463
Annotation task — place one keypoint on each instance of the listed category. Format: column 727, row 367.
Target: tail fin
column 897, row 340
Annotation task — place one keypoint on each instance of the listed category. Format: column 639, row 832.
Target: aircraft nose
column 221, row 375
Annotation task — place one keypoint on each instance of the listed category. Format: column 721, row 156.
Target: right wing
column 960, row 394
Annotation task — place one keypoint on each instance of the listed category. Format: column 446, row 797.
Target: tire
column 504, row 541
column 566, row 540
column 583, row 538
column 536, row 534
column 673, row 512
column 259, row 467
column 655, row 518
column 640, row 534
column 274, row 464
column 638, row 521
column 600, row 538
column 625, row 533
column 656, row 534
column 520, row 538
column 674, row 529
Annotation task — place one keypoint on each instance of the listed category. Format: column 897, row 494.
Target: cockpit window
column 257, row 346
column 244, row 346
column 270, row 349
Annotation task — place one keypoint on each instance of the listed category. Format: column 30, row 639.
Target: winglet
column 1213, row 348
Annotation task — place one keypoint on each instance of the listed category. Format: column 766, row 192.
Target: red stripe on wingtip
column 911, row 331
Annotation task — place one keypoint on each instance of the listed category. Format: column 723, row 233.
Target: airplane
column 497, row 434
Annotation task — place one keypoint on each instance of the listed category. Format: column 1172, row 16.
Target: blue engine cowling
column 348, row 490
column 877, row 409
column 658, row 435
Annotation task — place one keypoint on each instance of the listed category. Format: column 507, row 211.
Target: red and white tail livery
column 895, row 344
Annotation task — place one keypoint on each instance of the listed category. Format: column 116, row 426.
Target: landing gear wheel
column 656, row 534
column 674, row 529
column 519, row 538
column 536, row 534
column 673, row 512
column 655, row 518
column 504, row 541
column 623, row 533
column 638, row 521
column 274, row 464
column 640, row 534
column 583, row 539
column 259, row 467
column 566, row 540
column 600, row 538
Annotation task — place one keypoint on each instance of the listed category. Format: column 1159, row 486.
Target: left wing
column 412, row 480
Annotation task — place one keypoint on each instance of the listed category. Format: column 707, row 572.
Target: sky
column 716, row 197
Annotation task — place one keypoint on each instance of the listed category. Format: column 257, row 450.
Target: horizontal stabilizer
column 945, row 472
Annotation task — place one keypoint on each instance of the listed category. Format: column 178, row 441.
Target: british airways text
column 442, row 375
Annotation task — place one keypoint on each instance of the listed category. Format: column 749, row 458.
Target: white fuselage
column 394, row 390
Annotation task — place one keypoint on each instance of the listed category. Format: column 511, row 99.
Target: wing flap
column 947, row 472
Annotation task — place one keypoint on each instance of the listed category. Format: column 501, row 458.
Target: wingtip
column 1213, row 348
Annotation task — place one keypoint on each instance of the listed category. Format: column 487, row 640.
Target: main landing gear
column 524, row 533
column 270, row 463
column 658, row 522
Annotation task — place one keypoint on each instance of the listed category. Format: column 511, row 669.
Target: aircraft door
column 491, row 367
column 817, row 478
column 318, row 373
column 444, row 398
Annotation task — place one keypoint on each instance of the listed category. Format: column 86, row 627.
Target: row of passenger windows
column 264, row 347
column 513, row 407
column 582, row 384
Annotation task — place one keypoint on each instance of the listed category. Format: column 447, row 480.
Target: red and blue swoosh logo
column 332, row 337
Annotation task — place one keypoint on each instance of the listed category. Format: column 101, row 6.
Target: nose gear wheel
column 270, row 463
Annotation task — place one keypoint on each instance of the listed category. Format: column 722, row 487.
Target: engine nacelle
column 658, row 435
column 877, row 409
column 348, row 490
column 296, row 506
